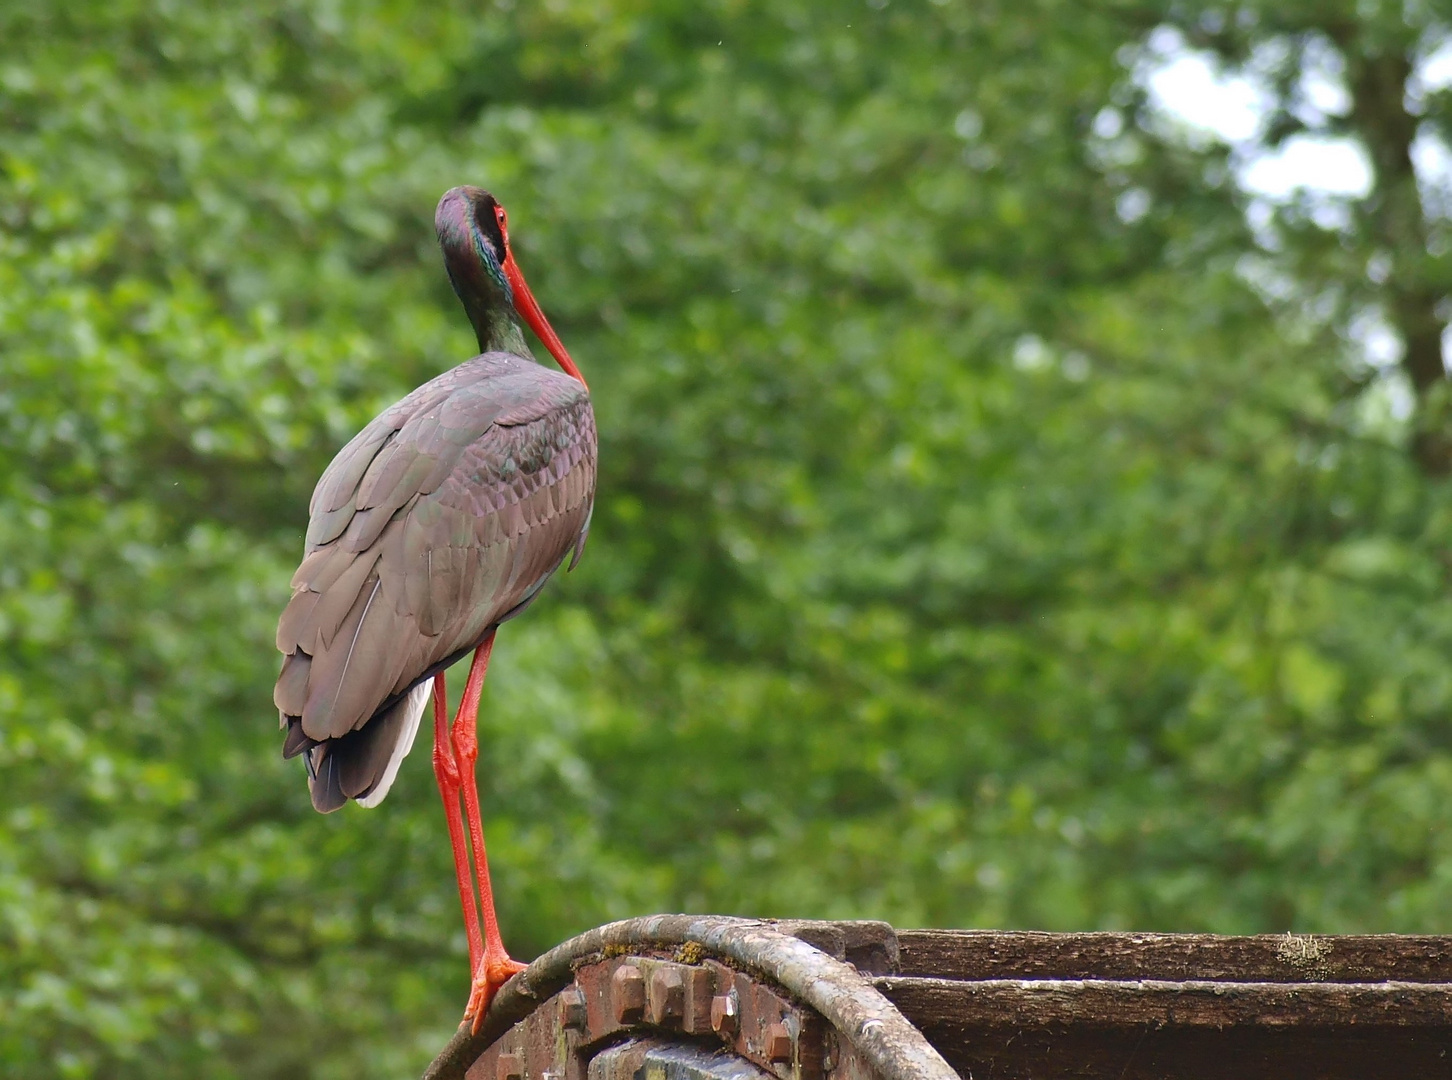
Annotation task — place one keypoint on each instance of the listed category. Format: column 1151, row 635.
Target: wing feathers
column 295, row 616
column 339, row 481
column 444, row 516
column 316, row 632
column 291, row 692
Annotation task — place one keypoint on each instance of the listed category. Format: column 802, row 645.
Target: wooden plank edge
column 1290, row 958
column 1162, row 1003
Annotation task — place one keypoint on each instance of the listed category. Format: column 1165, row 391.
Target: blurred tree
column 1344, row 70
column 995, row 527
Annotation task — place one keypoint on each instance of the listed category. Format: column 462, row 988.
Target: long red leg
column 447, row 774
column 496, row 966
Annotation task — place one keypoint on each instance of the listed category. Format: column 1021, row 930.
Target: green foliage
column 969, row 551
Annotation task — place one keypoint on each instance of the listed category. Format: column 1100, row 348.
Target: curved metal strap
column 846, row 1000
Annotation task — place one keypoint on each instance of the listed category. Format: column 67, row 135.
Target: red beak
column 528, row 308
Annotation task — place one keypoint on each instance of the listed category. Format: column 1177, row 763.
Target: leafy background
column 1005, row 518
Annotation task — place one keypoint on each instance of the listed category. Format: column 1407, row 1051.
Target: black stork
column 440, row 520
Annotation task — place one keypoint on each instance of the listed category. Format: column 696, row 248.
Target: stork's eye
column 503, row 219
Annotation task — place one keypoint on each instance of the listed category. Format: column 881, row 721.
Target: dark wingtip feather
column 297, row 740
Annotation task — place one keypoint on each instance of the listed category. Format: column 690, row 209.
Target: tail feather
column 363, row 764
column 324, row 781
column 410, row 712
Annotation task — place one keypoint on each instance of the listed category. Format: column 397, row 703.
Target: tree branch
column 1397, row 223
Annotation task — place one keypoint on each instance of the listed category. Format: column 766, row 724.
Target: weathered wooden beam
column 969, row 954
column 1020, row 1003
column 1149, row 1053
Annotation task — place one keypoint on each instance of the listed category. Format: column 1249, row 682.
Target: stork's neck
column 495, row 326
column 481, row 287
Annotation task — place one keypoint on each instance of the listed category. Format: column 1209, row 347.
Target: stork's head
column 473, row 232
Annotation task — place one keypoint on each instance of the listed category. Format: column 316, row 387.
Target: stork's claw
column 493, row 972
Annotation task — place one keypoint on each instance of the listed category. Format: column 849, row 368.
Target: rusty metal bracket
column 865, row 1025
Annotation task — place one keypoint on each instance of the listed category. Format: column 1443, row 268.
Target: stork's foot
column 494, row 971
